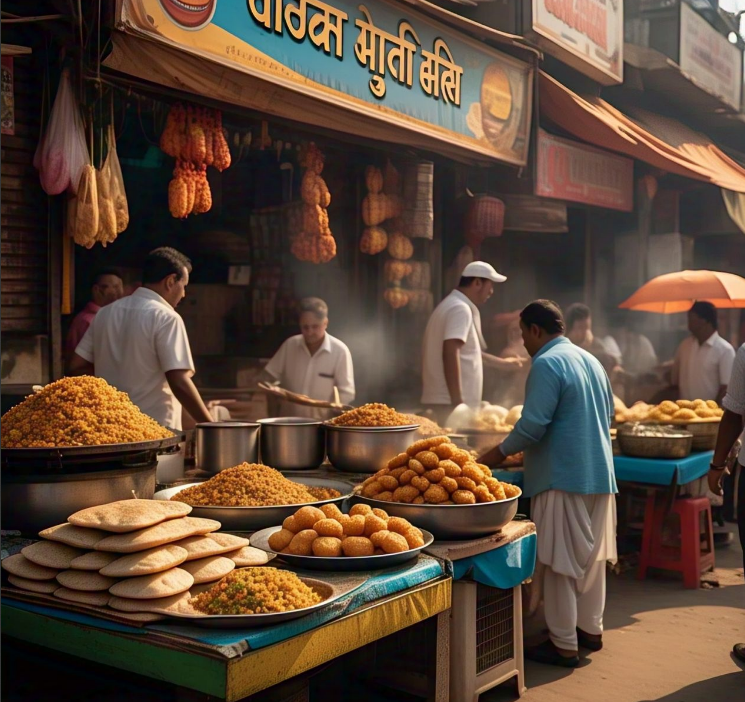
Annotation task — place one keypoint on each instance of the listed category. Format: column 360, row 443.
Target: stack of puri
column 130, row 555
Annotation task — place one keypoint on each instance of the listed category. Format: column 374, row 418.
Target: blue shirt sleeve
column 542, row 394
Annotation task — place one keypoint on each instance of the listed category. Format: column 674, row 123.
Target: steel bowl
column 222, row 445
column 292, row 443
column 366, row 449
column 256, row 518
column 451, row 522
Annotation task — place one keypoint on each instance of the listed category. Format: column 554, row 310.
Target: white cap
column 481, row 269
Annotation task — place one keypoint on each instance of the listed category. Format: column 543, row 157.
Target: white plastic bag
column 64, row 153
column 117, row 185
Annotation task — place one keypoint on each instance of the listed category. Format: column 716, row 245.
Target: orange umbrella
column 676, row 292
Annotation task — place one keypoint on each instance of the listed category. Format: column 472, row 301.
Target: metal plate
column 331, row 591
column 255, row 518
column 344, row 564
column 451, row 522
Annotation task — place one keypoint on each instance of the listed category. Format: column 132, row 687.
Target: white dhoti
column 576, row 536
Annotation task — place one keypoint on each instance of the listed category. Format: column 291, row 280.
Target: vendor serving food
column 313, row 363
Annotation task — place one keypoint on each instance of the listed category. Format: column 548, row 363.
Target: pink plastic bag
column 63, row 149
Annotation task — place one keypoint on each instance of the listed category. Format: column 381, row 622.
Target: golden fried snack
column 374, row 523
column 388, row 482
column 698, row 403
column 435, row 475
column 374, row 489
column 510, row 490
column 380, row 513
column 418, row 500
column 472, row 471
column 329, row 527
column 327, row 546
column 306, row 517
column 399, row 525
column 414, row 538
column 361, row 508
column 353, row 526
column 496, row 489
column 435, row 441
column 420, row 483
column 428, row 459
column 407, row 493
column 449, row 484
column 461, row 457
column 452, row 469
column 485, row 470
column 398, row 472
column 401, row 460
column 685, row 404
column 464, row 497
column 436, row 494
column 356, row 546
column 375, row 414
column 465, row 483
column 712, row 404
column 417, row 447
column 705, row 412
column 394, row 543
column 331, row 511
column 448, row 502
column 290, row 524
column 668, row 407
column 302, row 543
column 444, row 451
column 386, row 496
column 416, row 466
column 685, row 414
column 406, row 477
column 378, row 537
column 482, row 494
column 280, row 540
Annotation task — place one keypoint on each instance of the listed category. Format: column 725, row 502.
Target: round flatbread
column 45, row 587
column 249, row 556
column 94, row 599
column 207, row 570
column 21, row 566
column 73, row 535
column 52, row 554
column 150, row 587
column 85, row 580
column 126, row 604
column 228, row 541
column 125, row 516
column 159, row 535
column 93, row 560
column 201, row 547
column 154, row 560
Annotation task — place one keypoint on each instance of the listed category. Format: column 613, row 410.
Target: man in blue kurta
column 565, row 435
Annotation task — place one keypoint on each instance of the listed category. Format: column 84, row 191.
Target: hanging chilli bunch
column 195, row 137
column 314, row 243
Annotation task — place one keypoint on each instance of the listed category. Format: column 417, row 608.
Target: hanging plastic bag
column 86, row 219
column 106, row 215
column 64, row 153
column 119, row 195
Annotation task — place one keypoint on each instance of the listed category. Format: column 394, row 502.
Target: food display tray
column 256, row 518
column 340, row 564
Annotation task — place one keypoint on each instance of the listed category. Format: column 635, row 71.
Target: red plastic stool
column 687, row 554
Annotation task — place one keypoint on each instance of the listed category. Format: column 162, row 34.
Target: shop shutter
column 24, row 242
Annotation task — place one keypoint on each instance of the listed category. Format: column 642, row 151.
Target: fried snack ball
column 420, row 483
column 465, row 483
column 414, row 538
column 401, row 460
column 378, row 537
column 485, row 470
column 418, row 500
column 452, row 469
column 398, row 472
column 461, row 457
column 329, row 527
column 449, row 484
column 356, row 546
column 705, row 412
column 510, row 490
column 386, row 496
column 405, row 494
column 380, row 513
column 306, row 517
column 482, row 494
column 388, row 482
column 712, row 404
column 464, row 497
column 373, row 489
column 407, row 477
column 698, row 403
column 685, row 414
column 496, row 489
column 685, row 404
column 418, row 447
column 436, row 494
column 435, row 441
column 280, row 540
column 327, row 546
column 361, row 508
column 291, row 525
column 444, row 451
column 302, row 543
column 353, row 526
column 472, row 471
column 331, row 511
column 373, row 524
column 399, row 525
column 428, row 459
column 435, row 475
column 668, row 407
column 394, row 543
column 416, row 466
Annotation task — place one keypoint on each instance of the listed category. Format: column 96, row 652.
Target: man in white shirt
column 313, row 363
column 139, row 344
column 703, row 362
column 454, row 347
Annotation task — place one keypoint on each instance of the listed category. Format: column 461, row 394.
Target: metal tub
column 292, row 443
column 366, row 449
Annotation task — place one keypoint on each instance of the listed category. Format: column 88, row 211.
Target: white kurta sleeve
column 276, row 366
column 172, row 344
column 344, row 377
column 726, row 364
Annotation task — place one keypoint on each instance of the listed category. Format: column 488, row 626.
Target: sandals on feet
column 548, row 653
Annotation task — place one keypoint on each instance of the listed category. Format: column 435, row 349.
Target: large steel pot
column 292, row 443
column 222, row 445
column 31, row 503
column 366, row 449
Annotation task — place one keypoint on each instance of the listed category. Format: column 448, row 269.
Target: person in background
column 139, row 344
column 579, row 332
column 107, row 287
column 635, row 350
column 731, row 427
column 703, row 361
column 511, row 389
column 564, row 433
column 313, row 363
column 454, row 347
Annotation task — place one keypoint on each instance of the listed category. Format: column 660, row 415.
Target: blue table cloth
column 660, row 471
column 504, row 567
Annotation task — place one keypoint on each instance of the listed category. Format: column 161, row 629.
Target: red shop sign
column 574, row 172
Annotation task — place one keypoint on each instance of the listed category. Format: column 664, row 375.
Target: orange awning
column 658, row 141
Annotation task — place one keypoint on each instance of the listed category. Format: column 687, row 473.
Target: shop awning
column 653, row 139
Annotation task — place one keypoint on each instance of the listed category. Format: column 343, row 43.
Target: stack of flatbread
column 131, row 555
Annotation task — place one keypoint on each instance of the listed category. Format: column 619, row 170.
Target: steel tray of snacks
column 340, row 564
column 255, row 518
column 366, row 449
column 451, row 522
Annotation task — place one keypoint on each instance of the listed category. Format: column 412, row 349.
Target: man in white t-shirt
column 703, row 361
column 312, row 363
column 139, row 344
column 454, row 347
